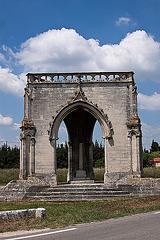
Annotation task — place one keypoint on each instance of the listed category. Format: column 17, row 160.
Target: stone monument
column 80, row 99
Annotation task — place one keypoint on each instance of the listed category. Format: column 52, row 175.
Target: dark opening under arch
column 80, row 118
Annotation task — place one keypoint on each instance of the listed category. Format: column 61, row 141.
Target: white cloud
column 11, row 83
column 149, row 133
column 123, row 21
column 5, row 121
column 65, row 50
column 62, row 130
column 149, row 102
column 16, row 126
column 2, row 58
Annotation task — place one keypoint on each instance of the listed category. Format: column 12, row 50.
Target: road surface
column 144, row 226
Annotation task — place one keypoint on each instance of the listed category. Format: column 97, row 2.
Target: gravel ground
column 16, row 233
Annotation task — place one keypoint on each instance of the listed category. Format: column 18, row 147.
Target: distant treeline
column 98, row 155
column 9, row 157
column 150, row 155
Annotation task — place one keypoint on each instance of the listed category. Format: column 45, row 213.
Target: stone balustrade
column 79, row 77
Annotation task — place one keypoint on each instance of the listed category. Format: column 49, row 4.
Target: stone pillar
column 106, row 160
column 135, row 144
column 81, row 173
column 130, row 152
column 32, row 156
column 22, row 158
column 52, row 178
column 69, row 175
column 91, row 173
column 106, row 155
column 134, row 153
column 80, row 156
column 27, row 150
column 138, row 143
column 53, row 144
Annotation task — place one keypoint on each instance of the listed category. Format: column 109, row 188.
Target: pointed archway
column 80, row 117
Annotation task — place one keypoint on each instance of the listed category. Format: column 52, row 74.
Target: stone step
column 59, row 193
column 69, row 192
column 70, row 187
column 78, row 189
column 76, row 197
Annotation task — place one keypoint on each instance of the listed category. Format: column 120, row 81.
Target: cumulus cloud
column 11, row 83
column 16, row 126
column 149, row 102
column 5, row 121
column 149, row 133
column 123, row 21
column 65, row 50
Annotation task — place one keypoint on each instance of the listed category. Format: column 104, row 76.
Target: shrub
column 99, row 174
column 62, row 175
column 152, row 172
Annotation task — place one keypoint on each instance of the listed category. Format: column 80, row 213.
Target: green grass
column 62, row 214
column 6, row 175
column 99, row 174
column 62, row 175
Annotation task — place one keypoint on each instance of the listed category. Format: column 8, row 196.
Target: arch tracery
column 105, row 124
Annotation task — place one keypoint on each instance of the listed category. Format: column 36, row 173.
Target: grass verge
column 7, row 175
column 63, row 214
column 152, row 172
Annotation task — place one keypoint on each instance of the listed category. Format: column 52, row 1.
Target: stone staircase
column 73, row 192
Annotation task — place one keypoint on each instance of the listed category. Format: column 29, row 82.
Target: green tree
column 146, row 159
column 9, row 157
column 62, row 156
column 98, row 153
column 154, row 147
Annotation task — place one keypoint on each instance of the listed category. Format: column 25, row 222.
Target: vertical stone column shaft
column 23, row 158
column 80, row 156
column 53, row 143
column 91, row 160
column 106, row 155
column 32, row 156
column 69, row 175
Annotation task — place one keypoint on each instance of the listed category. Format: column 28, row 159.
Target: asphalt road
column 136, row 227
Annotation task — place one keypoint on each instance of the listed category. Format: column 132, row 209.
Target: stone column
column 106, row 161
column 80, row 156
column 91, row 160
column 130, row 152
column 69, row 175
column 134, row 153
column 53, row 144
column 138, row 139
column 52, row 178
column 106, row 155
column 23, row 158
column 32, row 156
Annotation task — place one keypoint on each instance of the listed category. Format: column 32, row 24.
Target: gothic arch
column 105, row 124
column 80, row 146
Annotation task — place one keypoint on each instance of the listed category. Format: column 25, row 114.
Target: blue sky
column 79, row 35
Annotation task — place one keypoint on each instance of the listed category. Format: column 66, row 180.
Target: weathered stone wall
column 117, row 99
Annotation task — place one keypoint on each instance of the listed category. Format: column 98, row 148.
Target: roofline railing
column 76, row 77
